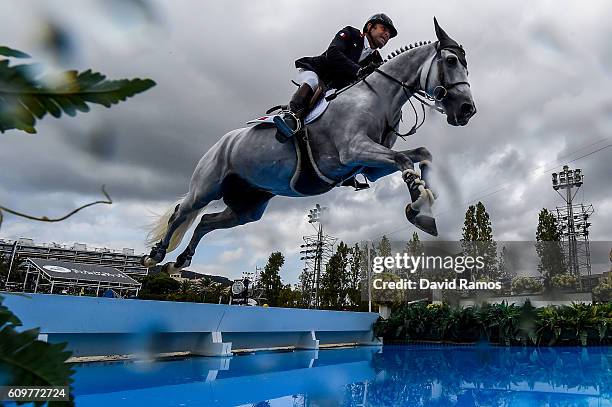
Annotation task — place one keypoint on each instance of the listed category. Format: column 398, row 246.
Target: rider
column 352, row 54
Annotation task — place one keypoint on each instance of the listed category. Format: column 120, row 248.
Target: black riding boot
column 289, row 123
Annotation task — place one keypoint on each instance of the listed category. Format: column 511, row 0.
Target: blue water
column 359, row 377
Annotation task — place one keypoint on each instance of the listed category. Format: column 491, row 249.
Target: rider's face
column 379, row 35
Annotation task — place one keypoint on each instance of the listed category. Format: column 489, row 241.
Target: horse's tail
column 160, row 227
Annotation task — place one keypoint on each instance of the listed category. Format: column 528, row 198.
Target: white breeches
column 309, row 77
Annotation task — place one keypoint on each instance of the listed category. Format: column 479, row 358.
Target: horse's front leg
column 422, row 156
column 362, row 151
column 419, row 184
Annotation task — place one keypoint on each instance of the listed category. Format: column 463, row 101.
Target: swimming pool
column 410, row 375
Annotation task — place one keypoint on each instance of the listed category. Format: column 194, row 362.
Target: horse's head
column 447, row 80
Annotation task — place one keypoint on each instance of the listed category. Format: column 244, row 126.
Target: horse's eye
column 451, row 60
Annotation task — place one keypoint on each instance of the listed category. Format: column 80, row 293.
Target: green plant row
column 503, row 324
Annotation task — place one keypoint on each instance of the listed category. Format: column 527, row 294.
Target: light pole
column 573, row 226
column 314, row 251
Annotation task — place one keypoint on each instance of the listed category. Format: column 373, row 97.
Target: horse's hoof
column 171, row 268
column 182, row 262
column 147, row 261
column 427, row 224
column 424, row 222
column 411, row 213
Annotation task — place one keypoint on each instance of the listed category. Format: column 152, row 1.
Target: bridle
column 438, row 94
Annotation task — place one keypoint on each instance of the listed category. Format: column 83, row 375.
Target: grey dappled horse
column 249, row 166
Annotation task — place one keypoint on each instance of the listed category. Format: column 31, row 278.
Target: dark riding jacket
column 338, row 66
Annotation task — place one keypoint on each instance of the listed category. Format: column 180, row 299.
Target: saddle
column 316, row 106
column 307, row 179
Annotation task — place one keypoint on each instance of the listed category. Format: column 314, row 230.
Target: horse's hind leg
column 183, row 216
column 243, row 207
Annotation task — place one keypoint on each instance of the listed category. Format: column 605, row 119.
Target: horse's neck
column 385, row 96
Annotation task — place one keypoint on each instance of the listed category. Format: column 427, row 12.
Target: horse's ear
column 440, row 33
column 444, row 40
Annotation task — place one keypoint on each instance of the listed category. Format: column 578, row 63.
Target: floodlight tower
column 316, row 250
column 573, row 221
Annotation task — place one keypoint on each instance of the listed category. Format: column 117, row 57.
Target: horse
column 249, row 166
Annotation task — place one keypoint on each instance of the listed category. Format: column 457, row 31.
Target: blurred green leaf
column 25, row 97
column 9, row 52
column 26, row 361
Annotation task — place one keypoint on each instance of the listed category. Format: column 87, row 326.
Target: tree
column 489, row 246
column 548, row 248
column 158, row 286
column 384, row 247
column 270, row 280
column 211, row 291
column 470, row 231
column 25, row 96
column 478, row 241
column 187, row 292
column 334, row 282
column 289, row 297
column 414, row 248
column 306, row 288
column 355, row 277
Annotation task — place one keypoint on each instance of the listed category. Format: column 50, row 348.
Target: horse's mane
column 405, row 48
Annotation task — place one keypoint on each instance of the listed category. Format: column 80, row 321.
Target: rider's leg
column 288, row 124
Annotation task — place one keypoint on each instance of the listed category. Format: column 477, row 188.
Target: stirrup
column 283, row 127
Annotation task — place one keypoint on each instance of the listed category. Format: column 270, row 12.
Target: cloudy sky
column 539, row 73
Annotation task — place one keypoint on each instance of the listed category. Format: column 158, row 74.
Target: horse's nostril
column 467, row 109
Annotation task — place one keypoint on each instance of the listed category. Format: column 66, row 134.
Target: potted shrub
column 603, row 291
column 565, row 282
column 581, row 318
column 526, row 285
column 549, row 325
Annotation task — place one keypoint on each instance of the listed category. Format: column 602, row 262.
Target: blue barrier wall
column 95, row 326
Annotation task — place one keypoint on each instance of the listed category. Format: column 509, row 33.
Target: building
column 61, row 277
column 123, row 260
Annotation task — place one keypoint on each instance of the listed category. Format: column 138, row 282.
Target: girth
column 307, row 178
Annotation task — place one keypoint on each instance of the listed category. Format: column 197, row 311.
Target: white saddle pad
column 313, row 115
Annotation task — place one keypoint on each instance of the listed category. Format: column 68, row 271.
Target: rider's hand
column 366, row 70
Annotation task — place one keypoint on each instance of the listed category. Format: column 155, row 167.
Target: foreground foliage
column 501, row 323
column 26, row 361
column 25, row 95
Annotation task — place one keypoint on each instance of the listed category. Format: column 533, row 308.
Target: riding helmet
column 381, row 18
